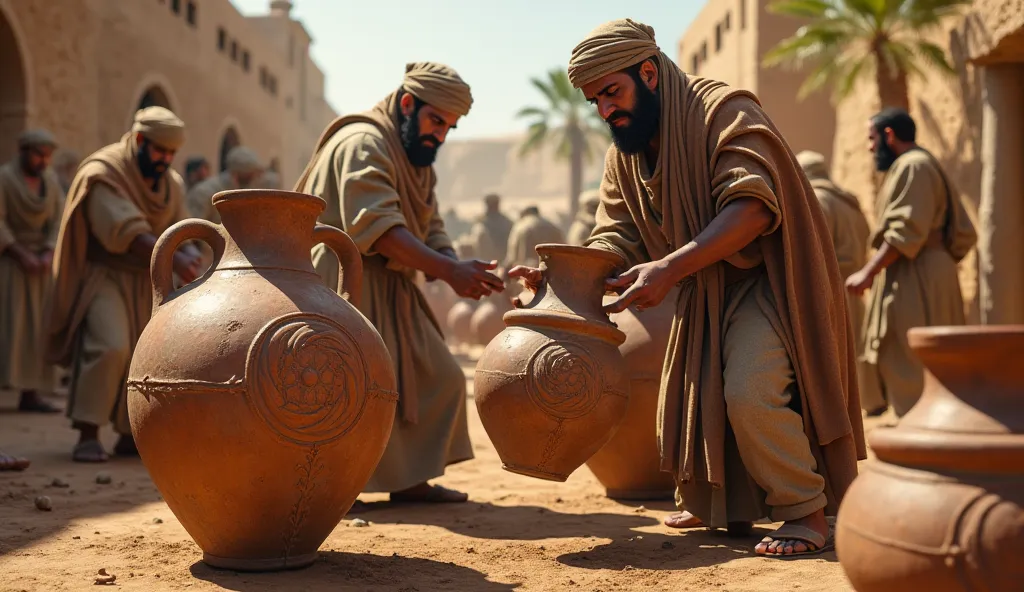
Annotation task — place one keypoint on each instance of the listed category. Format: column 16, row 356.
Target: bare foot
column 682, row 520
column 806, row 535
column 12, row 463
column 434, row 494
column 688, row 520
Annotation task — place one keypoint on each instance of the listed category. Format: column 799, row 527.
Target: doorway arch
column 154, row 96
column 13, row 89
column 229, row 140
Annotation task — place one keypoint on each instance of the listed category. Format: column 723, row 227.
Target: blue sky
column 496, row 45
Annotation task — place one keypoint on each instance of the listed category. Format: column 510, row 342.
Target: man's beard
column 421, row 150
column 149, row 168
column 636, row 136
column 29, row 170
column 884, row 156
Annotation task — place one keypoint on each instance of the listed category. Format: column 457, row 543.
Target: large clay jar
column 942, row 509
column 552, row 387
column 460, row 322
column 260, row 400
column 629, row 465
column 487, row 320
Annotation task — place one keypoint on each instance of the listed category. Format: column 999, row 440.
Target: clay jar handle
column 161, row 267
column 350, row 282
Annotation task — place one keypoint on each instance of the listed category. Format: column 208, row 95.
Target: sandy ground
column 516, row 533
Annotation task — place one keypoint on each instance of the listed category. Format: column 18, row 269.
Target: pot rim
column 229, row 195
column 925, row 337
column 556, row 248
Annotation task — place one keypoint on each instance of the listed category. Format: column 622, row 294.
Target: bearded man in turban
column 375, row 172
column 121, row 199
column 922, row 232
column 758, row 413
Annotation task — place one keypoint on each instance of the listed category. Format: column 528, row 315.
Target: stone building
column 726, row 41
column 972, row 122
column 81, row 68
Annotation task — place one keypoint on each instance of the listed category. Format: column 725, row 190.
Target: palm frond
column 849, row 74
column 547, row 91
column 536, row 136
column 935, row 57
column 809, row 43
column 532, row 112
column 817, row 79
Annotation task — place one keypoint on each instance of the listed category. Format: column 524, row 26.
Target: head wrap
column 813, row 164
column 438, row 85
column 160, row 126
column 36, row 137
column 590, row 200
column 242, row 160
column 611, row 47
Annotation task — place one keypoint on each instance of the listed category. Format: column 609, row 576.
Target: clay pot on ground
column 552, row 387
column 440, row 297
column 460, row 322
column 629, row 465
column 260, row 400
column 942, row 507
column 487, row 320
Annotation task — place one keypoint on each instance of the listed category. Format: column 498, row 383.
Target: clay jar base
column 258, row 565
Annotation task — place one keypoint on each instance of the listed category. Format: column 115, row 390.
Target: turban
column 161, row 126
column 614, row 46
column 242, row 160
column 35, row 138
column 439, row 86
column 813, row 164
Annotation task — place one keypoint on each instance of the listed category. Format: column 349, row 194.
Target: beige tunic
column 489, row 236
column 922, row 287
column 32, row 221
column 355, row 174
column 199, row 201
column 103, row 296
column 850, row 233
column 528, row 232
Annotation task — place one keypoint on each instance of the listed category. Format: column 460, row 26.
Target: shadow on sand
column 523, row 523
column 336, row 571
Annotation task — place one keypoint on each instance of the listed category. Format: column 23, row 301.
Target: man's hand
column 186, row 265
column 46, row 260
column 860, row 281
column 531, row 276
column 472, row 278
column 447, row 252
column 29, row 261
column 642, row 286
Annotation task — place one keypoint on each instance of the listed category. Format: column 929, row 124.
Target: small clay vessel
column 260, row 400
column 942, row 507
column 487, row 320
column 629, row 465
column 460, row 321
column 552, row 387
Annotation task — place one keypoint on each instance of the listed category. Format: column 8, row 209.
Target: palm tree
column 850, row 40
column 569, row 123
